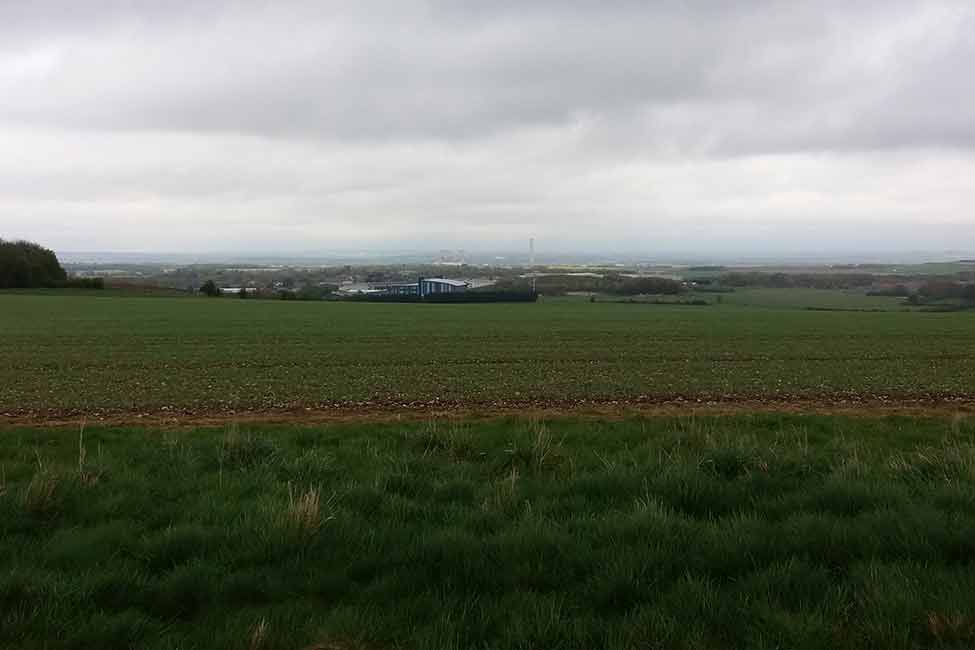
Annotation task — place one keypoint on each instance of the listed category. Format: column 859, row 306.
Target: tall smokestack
column 531, row 260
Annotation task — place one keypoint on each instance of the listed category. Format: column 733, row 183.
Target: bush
column 898, row 291
column 314, row 293
column 947, row 290
column 210, row 289
column 85, row 283
column 25, row 265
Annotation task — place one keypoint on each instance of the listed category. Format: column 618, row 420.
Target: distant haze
column 758, row 128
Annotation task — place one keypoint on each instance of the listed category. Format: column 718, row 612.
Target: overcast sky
column 634, row 125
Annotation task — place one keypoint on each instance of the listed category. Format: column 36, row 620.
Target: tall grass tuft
column 541, row 453
column 305, row 510
column 242, row 450
column 953, row 628
column 649, row 503
column 957, row 423
column 258, row 638
column 42, row 496
column 542, row 445
column 950, row 462
column 504, row 492
column 86, row 475
column 453, row 440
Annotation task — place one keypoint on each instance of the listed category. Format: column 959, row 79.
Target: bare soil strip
column 437, row 410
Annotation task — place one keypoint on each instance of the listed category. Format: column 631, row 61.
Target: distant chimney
column 531, row 260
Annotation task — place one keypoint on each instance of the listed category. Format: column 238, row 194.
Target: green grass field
column 733, row 532
column 86, row 354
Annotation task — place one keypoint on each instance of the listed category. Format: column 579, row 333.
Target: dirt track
column 385, row 412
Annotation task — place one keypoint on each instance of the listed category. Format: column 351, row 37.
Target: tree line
column 210, row 289
column 26, row 265
column 616, row 284
column 797, row 280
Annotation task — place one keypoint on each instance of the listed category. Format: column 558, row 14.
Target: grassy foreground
column 735, row 532
column 85, row 354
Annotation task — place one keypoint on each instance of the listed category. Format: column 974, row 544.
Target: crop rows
column 83, row 353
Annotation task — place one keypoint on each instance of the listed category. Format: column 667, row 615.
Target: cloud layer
column 626, row 125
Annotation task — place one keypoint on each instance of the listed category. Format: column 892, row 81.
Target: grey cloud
column 811, row 76
column 487, row 119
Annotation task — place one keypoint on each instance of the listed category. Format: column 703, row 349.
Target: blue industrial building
column 422, row 287
column 428, row 286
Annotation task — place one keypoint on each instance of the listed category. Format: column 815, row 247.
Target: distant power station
column 531, row 260
column 451, row 258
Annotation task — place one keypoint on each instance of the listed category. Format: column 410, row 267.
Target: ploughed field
column 734, row 532
column 83, row 354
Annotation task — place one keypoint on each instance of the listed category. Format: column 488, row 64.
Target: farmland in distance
column 65, row 354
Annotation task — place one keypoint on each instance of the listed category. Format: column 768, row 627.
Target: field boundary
column 379, row 411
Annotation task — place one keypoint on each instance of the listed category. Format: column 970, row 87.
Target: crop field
column 732, row 532
column 65, row 354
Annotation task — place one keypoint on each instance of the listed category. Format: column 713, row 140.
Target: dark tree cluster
column 946, row 290
column 26, row 265
column 798, row 280
column 616, row 284
column 646, row 286
column 85, row 283
column 896, row 291
column 210, row 289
